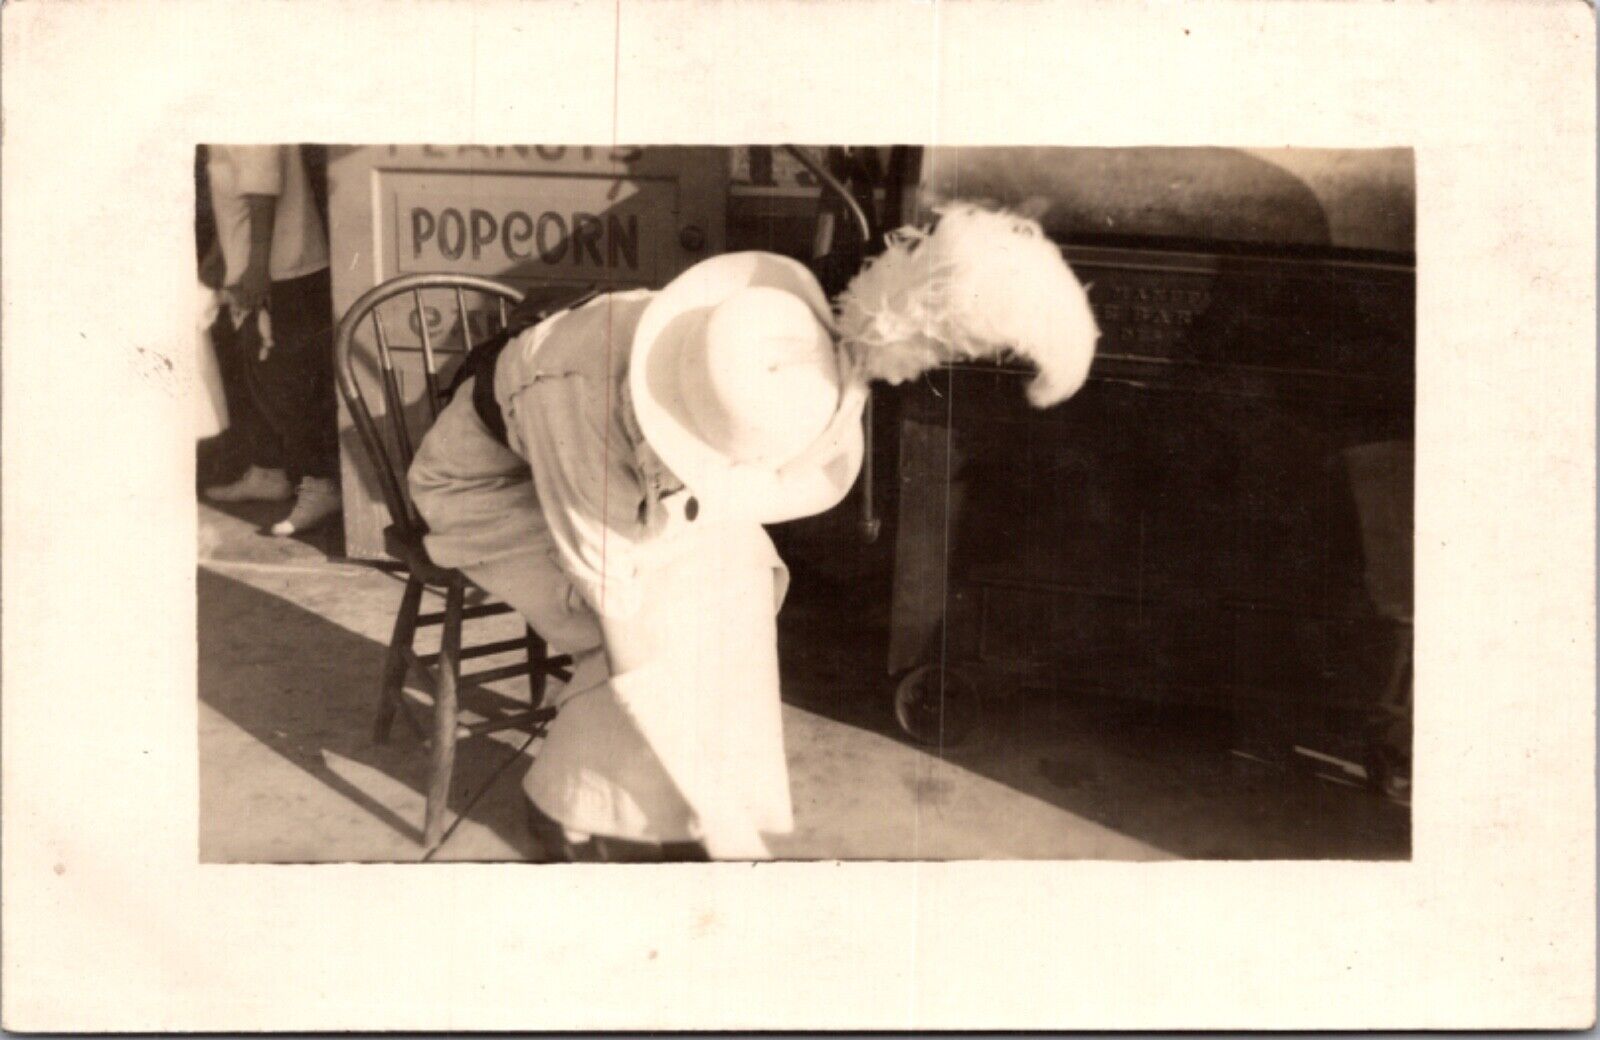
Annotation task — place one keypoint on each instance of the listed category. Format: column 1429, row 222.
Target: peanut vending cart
column 1222, row 515
column 534, row 217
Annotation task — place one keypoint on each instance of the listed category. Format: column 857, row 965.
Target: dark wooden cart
column 1221, row 517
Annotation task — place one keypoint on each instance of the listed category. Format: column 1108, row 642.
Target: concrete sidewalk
column 291, row 644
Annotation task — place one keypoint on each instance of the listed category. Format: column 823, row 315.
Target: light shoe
column 257, row 485
column 316, row 500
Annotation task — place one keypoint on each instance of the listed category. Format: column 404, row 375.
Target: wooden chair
column 390, row 452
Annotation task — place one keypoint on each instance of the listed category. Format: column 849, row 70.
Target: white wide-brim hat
column 687, row 372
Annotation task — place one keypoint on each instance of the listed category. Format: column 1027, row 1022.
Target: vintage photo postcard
column 798, row 516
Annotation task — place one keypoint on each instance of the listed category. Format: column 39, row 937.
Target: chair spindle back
column 391, row 456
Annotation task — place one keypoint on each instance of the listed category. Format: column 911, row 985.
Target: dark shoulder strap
column 483, row 400
column 479, row 364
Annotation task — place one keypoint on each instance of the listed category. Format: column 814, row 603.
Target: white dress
column 577, row 518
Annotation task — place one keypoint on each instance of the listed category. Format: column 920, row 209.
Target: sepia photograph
column 797, row 515
column 574, row 503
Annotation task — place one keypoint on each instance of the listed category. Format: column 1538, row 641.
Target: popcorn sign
column 450, row 235
column 549, row 228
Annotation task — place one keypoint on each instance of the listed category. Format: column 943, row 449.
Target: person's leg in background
column 263, row 479
column 244, row 461
column 293, row 387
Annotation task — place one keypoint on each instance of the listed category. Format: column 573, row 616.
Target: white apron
column 576, row 516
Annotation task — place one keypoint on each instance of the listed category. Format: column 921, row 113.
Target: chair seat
column 404, row 543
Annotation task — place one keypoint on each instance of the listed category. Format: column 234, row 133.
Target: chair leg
column 445, row 716
column 394, row 663
column 537, row 652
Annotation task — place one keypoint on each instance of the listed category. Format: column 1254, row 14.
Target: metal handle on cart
column 869, row 525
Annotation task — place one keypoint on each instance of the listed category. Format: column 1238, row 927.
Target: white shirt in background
column 299, row 244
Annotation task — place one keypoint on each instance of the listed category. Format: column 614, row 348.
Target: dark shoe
column 548, row 836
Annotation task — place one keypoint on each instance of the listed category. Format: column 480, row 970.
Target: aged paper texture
column 111, row 923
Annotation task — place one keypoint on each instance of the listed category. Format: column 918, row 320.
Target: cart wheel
column 935, row 705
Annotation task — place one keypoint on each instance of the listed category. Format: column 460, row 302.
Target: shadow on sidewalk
column 306, row 688
column 1165, row 775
